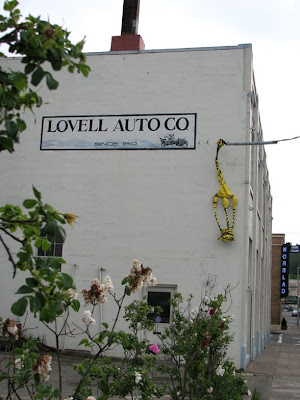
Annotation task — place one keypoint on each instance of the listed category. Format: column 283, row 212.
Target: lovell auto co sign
column 119, row 132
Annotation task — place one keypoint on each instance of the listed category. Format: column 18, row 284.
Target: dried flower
column 87, row 318
column 43, row 367
column 137, row 265
column 71, row 218
column 140, row 276
column 138, row 377
column 96, row 294
column 108, row 284
column 249, row 393
column 154, row 348
column 10, row 329
column 210, row 390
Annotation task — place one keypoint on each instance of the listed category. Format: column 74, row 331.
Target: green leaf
column 10, row 5
column 38, row 243
column 11, row 128
column 125, row 280
column 84, row 341
column 32, row 282
column 19, row 81
column 102, row 336
column 29, row 68
column 36, row 193
column 124, row 339
column 41, row 299
column 127, row 291
column 75, row 305
column 3, row 376
column 56, row 393
column 84, row 69
column 29, row 203
column 51, row 82
column 25, row 290
column 35, row 304
column 61, row 233
column 67, row 280
column 103, row 385
column 37, row 76
column 19, row 307
column 47, row 315
column 105, row 325
column 45, row 245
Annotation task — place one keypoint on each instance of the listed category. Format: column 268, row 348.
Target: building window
column 55, row 249
column 160, row 296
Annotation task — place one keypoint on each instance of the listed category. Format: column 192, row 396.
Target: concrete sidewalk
column 275, row 373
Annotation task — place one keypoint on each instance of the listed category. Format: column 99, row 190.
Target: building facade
column 131, row 150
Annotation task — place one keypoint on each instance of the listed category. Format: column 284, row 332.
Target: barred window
column 55, row 250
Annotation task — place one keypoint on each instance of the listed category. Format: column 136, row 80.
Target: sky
column 271, row 26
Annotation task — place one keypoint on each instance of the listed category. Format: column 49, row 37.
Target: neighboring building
column 94, row 149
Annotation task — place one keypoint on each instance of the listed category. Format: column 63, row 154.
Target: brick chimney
column 129, row 39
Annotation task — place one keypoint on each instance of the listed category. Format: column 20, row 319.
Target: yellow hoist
column 226, row 195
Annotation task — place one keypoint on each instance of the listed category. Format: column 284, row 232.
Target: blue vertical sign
column 285, row 257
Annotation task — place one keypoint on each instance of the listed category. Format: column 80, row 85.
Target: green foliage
column 47, row 291
column 26, row 368
column 41, row 46
column 197, row 342
column 134, row 374
column 256, row 395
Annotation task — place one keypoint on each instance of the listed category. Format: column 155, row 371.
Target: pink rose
column 154, row 348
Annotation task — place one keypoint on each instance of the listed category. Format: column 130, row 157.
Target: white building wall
column 155, row 205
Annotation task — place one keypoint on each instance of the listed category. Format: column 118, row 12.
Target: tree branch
column 12, row 236
column 10, row 258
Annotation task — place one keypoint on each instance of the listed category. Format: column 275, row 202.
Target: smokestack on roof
column 129, row 39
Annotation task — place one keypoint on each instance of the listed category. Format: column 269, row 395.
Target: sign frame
column 176, row 131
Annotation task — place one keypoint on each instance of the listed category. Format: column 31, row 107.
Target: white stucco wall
column 148, row 204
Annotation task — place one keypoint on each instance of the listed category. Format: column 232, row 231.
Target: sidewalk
column 275, row 373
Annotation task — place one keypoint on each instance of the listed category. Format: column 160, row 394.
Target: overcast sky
column 273, row 28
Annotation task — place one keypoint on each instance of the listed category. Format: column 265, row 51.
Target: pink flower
column 212, row 311
column 154, row 348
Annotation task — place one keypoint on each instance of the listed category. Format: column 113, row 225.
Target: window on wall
column 55, row 250
column 160, row 296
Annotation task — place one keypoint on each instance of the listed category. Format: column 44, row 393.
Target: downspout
column 100, row 276
column 246, row 291
column 62, row 339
